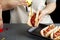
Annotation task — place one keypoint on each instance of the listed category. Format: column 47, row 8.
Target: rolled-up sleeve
column 51, row 1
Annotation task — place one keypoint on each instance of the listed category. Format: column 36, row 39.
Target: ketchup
column 48, row 29
column 57, row 34
column 33, row 19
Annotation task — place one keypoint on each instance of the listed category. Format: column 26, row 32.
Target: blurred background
column 55, row 15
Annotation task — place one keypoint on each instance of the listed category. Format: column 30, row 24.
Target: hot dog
column 57, row 38
column 45, row 32
column 32, row 18
column 55, row 34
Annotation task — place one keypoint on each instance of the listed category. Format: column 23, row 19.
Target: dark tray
column 36, row 31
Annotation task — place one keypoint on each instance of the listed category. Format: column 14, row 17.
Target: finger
column 24, row 3
column 0, row 12
column 37, row 22
column 1, row 24
column 1, row 21
column 41, row 17
column 22, row 0
column 37, row 18
column 13, row 2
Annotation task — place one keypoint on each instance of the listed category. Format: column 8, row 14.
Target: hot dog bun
column 44, row 33
column 53, row 36
column 57, row 38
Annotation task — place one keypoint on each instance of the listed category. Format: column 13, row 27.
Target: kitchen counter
column 17, row 32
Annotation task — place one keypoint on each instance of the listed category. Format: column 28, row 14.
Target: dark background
column 55, row 15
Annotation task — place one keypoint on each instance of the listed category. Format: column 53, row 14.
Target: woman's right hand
column 9, row 4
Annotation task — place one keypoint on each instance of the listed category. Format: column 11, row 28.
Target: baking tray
column 36, row 31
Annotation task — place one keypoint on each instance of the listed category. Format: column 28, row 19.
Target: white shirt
column 19, row 14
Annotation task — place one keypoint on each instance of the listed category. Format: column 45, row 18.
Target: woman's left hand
column 39, row 17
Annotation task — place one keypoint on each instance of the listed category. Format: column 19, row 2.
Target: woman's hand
column 1, row 24
column 1, row 21
column 9, row 4
column 39, row 18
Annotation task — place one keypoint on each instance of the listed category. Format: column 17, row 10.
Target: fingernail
column 1, row 30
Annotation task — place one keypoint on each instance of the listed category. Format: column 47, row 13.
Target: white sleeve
column 41, row 5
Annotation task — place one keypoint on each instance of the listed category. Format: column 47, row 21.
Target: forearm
column 9, row 4
column 0, row 13
column 50, row 8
